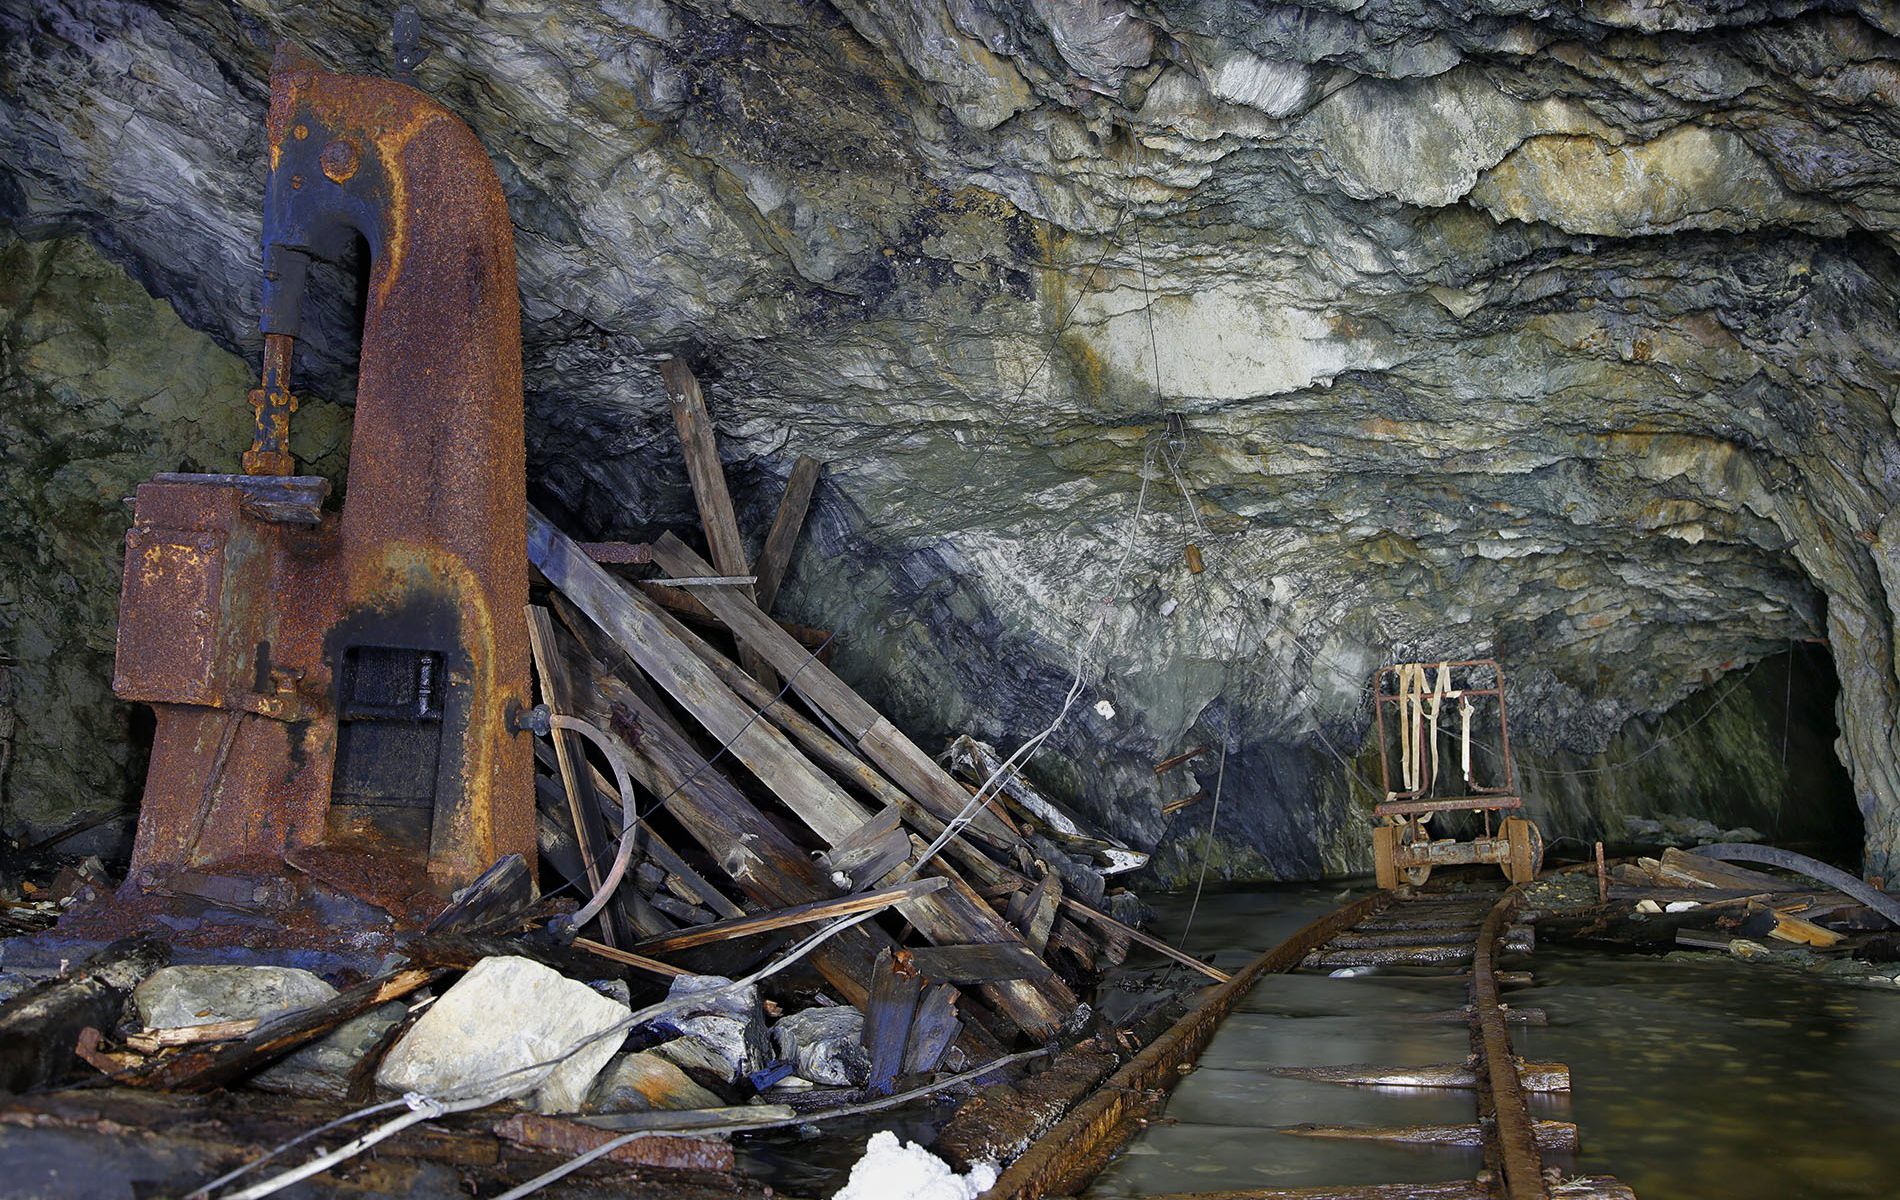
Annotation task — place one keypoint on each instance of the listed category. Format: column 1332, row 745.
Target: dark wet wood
column 40, row 1026
column 1439, row 955
column 708, row 478
column 1549, row 1135
column 932, row 1030
column 785, row 918
column 1000, row 1122
column 895, row 989
column 1534, row 1076
column 979, row 964
column 568, row 1138
column 776, row 555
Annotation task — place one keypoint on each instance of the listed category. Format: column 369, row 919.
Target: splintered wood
column 771, row 799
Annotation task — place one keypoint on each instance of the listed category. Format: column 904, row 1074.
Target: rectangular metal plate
column 169, row 617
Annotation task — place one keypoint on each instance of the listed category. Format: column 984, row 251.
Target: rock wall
column 1564, row 334
column 101, row 387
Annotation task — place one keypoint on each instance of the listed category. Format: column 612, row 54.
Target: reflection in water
column 1696, row 1079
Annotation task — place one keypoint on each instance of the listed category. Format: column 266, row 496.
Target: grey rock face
column 174, row 997
column 1443, row 328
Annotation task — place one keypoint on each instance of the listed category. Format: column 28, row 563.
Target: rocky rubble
column 1444, row 328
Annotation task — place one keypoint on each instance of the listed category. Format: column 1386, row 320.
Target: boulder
column 175, row 997
column 511, row 1027
column 644, row 1081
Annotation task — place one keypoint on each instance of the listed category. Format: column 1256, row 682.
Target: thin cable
column 848, row 1110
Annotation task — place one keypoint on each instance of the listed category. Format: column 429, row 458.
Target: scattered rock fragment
column 728, row 1022
column 825, row 1044
column 322, row 1069
column 643, row 1082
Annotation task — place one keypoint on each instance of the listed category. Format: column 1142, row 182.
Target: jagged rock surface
column 1561, row 333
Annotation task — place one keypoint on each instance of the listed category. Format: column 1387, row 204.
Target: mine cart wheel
column 1410, row 832
column 1527, row 849
column 1385, row 844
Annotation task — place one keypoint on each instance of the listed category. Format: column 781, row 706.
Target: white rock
column 1680, row 906
column 893, row 1170
column 509, row 1027
column 175, row 997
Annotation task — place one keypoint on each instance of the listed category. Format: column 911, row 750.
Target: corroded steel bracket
column 336, row 690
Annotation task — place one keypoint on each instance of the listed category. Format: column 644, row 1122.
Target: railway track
column 1435, row 934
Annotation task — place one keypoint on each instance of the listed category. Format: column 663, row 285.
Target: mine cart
column 1429, row 713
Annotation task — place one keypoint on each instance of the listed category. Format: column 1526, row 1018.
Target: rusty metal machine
column 1412, row 697
column 339, row 693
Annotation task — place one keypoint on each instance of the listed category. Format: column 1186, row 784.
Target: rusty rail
column 1510, row 1148
column 1069, row 1155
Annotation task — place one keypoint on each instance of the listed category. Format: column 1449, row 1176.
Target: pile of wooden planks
column 769, row 796
column 1691, row 900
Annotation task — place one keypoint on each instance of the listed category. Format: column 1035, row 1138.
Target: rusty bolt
column 340, row 159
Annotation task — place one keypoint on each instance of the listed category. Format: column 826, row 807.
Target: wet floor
column 1694, row 1079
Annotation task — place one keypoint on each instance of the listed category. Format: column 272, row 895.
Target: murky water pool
column 1699, row 1079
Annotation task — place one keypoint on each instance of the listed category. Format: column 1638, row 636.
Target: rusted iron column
column 342, row 689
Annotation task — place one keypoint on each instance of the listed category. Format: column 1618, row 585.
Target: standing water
column 1694, row 1077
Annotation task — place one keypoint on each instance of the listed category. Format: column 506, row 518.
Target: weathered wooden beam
column 1549, row 1135
column 978, row 964
column 708, row 477
column 932, row 1030
column 895, row 988
column 627, row 958
column 1036, row 915
column 845, row 763
column 682, row 603
column 785, row 918
column 1002, row 1121
column 775, row 557
column 1106, row 922
column 1535, row 1076
column 913, row 770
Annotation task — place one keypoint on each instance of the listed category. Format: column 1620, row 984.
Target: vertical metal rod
column 270, row 446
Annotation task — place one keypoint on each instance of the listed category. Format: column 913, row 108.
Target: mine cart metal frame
column 1403, row 850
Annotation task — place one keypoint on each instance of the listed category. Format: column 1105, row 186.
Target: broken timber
column 955, row 915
